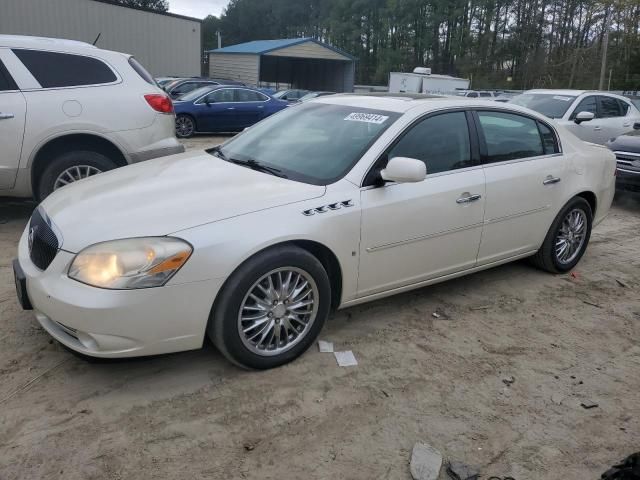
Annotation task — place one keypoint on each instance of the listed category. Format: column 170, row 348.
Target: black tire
column 223, row 326
column 546, row 258
column 185, row 126
column 47, row 181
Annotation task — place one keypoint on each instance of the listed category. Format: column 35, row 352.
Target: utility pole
column 605, row 46
column 219, row 39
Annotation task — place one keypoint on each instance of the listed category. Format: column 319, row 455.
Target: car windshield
column 280, row 94
column 195, row 94
column 548, row 104
column 314, row 143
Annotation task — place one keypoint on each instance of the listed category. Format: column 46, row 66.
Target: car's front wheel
column 272, row 308
column 567, row 238
column 185, row 126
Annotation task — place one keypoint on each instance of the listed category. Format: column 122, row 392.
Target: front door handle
column 597, row 129
column 551, row 180
column 6, row 116
column 468, row 198
column 231, row 108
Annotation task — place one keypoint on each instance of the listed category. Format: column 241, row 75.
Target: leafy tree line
column 515, row 44
column 159, row 5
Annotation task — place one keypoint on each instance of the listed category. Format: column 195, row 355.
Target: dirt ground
column 564, row 339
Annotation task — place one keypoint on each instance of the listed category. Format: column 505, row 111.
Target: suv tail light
column 160, row 103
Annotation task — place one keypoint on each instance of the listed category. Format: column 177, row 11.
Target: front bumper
column 627, row 181
column 116, row 323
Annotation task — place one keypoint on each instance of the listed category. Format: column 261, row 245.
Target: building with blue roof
column 303, row 63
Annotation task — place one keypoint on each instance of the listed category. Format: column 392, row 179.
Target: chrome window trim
column 199, row 100
column 40, row 88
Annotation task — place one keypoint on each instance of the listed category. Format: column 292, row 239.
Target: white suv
column 592, row 116
column 69, row 110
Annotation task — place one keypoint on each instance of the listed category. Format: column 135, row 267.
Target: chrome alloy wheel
column 184, row 126
column 278, row 311
column 571, row 236
column 75, row 173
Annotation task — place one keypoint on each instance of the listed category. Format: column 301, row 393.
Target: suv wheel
column 567, row 238
column 70, row 167
column 271, row 309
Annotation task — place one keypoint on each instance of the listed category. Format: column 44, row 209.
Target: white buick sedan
column 331, row 203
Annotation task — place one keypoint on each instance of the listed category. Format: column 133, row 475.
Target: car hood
column 164, row 196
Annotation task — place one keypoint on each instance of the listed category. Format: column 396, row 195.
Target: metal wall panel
column 165, row 45
column 308, row 50
column 243, row 68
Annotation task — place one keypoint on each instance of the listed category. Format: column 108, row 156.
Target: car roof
column 43, row 43
column 403, row 102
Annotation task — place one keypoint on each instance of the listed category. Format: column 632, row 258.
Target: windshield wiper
column 217, row 151
column 257, row 166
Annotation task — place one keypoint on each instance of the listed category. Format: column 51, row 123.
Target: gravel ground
column 563, row 340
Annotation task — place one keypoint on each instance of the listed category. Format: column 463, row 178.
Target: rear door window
column 549, row 139
column 609, row 107
column 510, row 136
column 54, row 70
column 624, row 107
column 249, row 96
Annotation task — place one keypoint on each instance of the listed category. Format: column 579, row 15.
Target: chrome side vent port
column 334, row 206
column 322, row 209
column 309, row 212
column 347, row 203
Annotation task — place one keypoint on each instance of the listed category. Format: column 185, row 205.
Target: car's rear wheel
column 185, row 126
column 70, row 167
column 272, row 308
column 567, row 238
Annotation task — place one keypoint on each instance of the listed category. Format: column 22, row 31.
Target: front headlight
column 130, row 263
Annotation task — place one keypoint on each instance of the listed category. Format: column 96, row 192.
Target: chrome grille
column 43, row 242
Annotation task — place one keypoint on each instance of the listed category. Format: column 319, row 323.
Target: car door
column 250, row 106
column 216, row 111
column 413, row 232
column 592, row 130
column 12, row 122
column 524, row 168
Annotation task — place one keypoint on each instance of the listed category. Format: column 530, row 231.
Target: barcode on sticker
column 366, row 117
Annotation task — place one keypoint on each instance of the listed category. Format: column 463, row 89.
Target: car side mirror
column 404, row 170
column 584, row 117
column 636, row 126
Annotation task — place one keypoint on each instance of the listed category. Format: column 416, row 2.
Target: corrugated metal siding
column 240, row 67
column 308, row 50
column 164, row 45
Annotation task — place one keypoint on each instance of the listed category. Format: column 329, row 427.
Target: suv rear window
column 140, row 70
column 53, row 69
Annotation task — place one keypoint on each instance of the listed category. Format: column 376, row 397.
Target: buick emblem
column 32, row 232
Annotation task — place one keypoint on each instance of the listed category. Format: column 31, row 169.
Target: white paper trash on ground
column 346, row 359
column 325, row 347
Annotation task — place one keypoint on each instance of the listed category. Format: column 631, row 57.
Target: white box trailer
column 423, row 81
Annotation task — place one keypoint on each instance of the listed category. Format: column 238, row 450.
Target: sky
column 197, row 8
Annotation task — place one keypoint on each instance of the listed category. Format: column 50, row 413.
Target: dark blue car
column 222, row 109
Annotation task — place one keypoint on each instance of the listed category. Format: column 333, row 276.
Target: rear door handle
column 597, row 129
column 551, row 180
column 231, row 108
column 468, row 198
column 6, row 116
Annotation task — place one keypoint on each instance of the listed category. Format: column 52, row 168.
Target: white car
column 593, row 116
column 69, row 110
column 335, row 202
column 477, row 94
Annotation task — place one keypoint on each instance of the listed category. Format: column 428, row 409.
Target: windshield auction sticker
column 560, row 97
column 366, row 117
